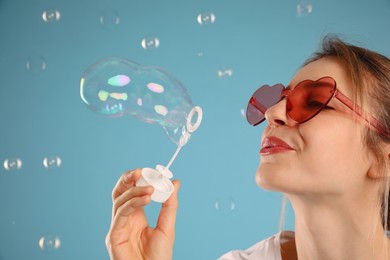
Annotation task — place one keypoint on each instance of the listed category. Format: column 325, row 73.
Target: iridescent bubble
column 35, row 64
column 115, row 87
column 52, row 162
column 51, row 16
column 222, row 73
column 224, row 205
column 109, row 19
column 304, row 9
column 12, row 164
column 49, row 243
column 206, row 18
column 150, row 43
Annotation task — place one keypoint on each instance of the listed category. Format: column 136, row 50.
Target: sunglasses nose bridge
column 277, row 115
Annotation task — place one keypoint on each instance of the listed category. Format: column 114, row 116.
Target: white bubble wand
column 160, row 177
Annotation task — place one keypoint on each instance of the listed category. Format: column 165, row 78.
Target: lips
column 272, row 145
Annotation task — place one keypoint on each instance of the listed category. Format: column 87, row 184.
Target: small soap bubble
column 304, row 9
column 51, row 16
column 109, row 19
column 52, row 162
column 242, row 111
column 225, row 205
column 206, row 18
column 12, row 164
column 49, row 243
column 35, row 64
column 223, row 73
column 150, row 43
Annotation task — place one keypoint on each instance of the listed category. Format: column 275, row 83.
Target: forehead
column 328, row 66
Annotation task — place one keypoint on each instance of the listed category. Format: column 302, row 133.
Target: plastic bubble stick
column 115, row 87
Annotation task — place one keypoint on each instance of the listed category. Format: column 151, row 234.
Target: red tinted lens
column 309, row 97
column 261, row 100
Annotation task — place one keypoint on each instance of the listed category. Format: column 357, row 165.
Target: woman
column 326, row 147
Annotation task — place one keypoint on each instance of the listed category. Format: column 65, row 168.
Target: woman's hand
column 130, row 237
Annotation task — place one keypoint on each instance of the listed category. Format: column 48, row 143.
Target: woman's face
column 327, row 154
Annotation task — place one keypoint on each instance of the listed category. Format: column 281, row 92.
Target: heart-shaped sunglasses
column 305, row 101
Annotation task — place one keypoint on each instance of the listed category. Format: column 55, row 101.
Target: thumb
column 167, row 218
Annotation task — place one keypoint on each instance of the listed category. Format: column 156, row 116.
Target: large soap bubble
column 116, row 87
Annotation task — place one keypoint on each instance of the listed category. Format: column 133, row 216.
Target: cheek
column 334, row 153
column 326, row 147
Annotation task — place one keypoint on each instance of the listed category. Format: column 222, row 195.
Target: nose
column 277, row 116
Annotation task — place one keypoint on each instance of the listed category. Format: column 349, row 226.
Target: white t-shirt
column 267, row 249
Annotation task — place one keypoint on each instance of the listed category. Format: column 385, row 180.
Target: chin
column 271, row 178
column 265, row 180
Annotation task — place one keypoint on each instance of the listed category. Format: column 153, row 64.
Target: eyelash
column 316, row 104
column 328, row 107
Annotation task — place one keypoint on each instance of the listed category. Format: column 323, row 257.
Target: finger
column 129, row 194
column 167, row 218
column 126, row 181
column 128, row 208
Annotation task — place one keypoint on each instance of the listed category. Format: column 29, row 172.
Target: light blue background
column 41, row 114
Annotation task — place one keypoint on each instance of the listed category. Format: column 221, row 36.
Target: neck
column 326, row 230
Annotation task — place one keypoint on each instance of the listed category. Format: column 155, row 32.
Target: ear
column 378, row 170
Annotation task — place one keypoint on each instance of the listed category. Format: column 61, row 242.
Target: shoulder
column 268, row 248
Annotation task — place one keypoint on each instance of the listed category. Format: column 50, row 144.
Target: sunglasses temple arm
column 258, row 105
column 371, row 121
